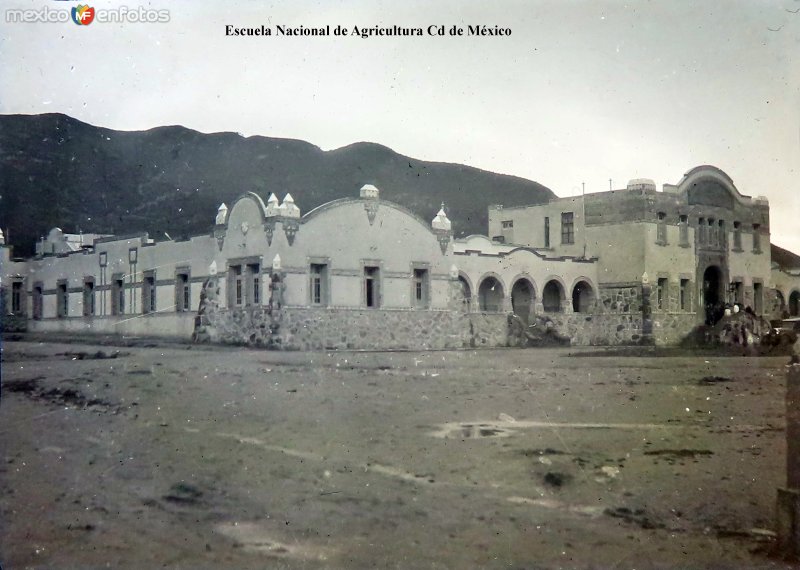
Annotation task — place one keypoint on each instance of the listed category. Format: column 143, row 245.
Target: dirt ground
column 178, row 456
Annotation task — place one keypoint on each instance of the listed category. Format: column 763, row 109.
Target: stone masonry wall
column 299, row 328
column 599, row 329
column 330, row 328
column 619, row 300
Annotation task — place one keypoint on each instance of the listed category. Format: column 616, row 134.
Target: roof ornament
column 370, row 194
column 443, row 229
column 222, row 214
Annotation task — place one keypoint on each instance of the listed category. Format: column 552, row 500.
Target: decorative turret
column 369, row 191
column 370, row 194
column 219, row 228
column 288, row 209
column 222, row 214
column 273, row 206
column 443, row 228
column 441, row 221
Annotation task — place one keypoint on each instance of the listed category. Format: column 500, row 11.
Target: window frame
column 567, row 228
column 319, row 275
column 149, row 292
column 420, row 285
column 89, row 293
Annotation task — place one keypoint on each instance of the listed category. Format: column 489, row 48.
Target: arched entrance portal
column 582, row 297
column 794, row 304
column 522, row 299
column 712, row 294
column 551, row 297
column 490, row 295
column 466, row 294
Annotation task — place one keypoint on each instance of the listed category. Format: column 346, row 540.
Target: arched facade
column 465, row 288
column 583, row 296
column 523, row 298
column 553, row 296
column 794, row 303
column 491, row 294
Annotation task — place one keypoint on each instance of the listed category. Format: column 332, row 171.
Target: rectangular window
column 16, row 297
column 684, row 294
column 547, row 232
column 661, row 233
column 149, row 293
column 758, row 298
column 371, row 287
column 712, row 233
column 684, row 230
column 254, row 283
column 118, row 296
column 661, row 294
column 737, row 236
column 62, row 300
column 88, row 297
column 318, row 279
column 723, row 234
column 701, row 231
column 182, row 292
column 567, row 228
column 235, row 286
column 38, row 301
column 507, row 224
column 756, row 238
column 420, row 288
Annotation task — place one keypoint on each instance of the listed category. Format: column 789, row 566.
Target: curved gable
column 709, row 186
column 245, row 207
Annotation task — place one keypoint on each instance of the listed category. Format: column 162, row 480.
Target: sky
column 580, row 92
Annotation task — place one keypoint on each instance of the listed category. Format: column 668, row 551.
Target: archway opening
column 713, row 295
column 522, row 299
column 794, row 304
column 490, row 295
column 551, row 296
column 466, row 294
column 582, row 297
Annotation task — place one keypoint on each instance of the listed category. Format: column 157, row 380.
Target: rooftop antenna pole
column 609, row 184
column 583, row 216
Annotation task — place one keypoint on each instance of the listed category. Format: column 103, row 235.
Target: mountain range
column 56, row 171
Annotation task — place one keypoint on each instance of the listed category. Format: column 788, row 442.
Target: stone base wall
column 672, row 328
column 619, row 299
column 599, row 329
column 300, row 328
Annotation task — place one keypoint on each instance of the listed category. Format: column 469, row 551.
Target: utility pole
column 583, row 216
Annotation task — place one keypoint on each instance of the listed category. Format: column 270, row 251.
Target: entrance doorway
column 794, row 304
column 712, row 294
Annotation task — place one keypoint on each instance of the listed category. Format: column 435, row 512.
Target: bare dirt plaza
column 179, row 456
